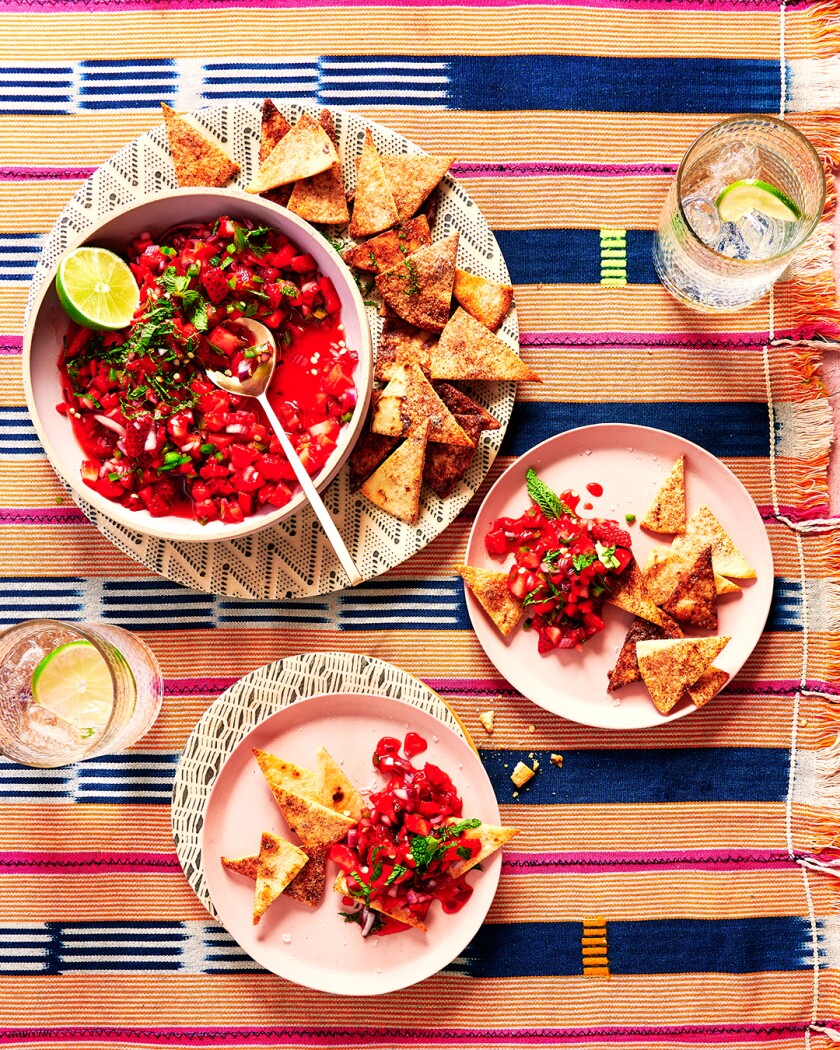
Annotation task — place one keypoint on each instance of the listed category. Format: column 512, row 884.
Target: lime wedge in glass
column 97, row 289
column 748, row 195
column 74, row 682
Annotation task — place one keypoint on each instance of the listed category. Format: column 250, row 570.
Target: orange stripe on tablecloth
column 96, row 826
column 395, row 30
column 263, row 999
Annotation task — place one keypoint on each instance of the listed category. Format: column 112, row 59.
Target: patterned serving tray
column 292, row 559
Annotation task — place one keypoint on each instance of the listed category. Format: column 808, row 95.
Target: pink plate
column 315, row 947
column 630, row 463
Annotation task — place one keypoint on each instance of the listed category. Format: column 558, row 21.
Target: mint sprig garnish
column 548, row 501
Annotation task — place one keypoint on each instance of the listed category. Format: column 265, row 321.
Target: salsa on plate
column 563, row 565
column 155, row 433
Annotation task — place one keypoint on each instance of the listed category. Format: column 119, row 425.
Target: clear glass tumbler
column 73, row 691
column 712, row 265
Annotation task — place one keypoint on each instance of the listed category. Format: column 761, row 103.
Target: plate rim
column 474, row 611
column 489, row 876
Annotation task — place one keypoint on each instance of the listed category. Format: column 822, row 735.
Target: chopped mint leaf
column 549, row 502
column 582, row 561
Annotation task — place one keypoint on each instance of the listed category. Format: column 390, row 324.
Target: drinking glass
column 712, row 265
column 36, row 735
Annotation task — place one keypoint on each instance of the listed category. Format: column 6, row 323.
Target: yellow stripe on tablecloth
column 203, row 1001
column 394, row 30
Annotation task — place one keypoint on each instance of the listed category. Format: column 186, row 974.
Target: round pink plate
column 630, row 463
column 315, row 947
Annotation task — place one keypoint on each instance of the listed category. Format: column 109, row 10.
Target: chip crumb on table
column 521, row 774
column 488, row 720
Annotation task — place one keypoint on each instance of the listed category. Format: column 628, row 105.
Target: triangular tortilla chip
column 487, row 301
column 334, row 788
column 313, row 823
column 407, row 401
column 307, row 886
column 402, row 344
column 273, row 127
column 492, row 838
column 419, row 288
column 393, row 911
column 491, row 590
column 395, row 485
column 629, row 592
column 321, row 198
column 309, row 883
column 368, row 453
column 285, row 776
column 626, row 670
column 694, row 599
column 703, row 529
column 198, row 161
column 304, row 151
column 661, row 570
column 708, row 685
column 412, row 179
column 389, row 248
column 669, row 667
column 279, row 862
column 246, row 866
column 374, row 209
column 446, row 464
column 459, row 404
column 468, row 350
column 724, row 586
column 667, row 512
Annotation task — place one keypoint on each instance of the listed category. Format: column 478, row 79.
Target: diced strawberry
column 624, row 557
column 215, row 284
column 136, row 432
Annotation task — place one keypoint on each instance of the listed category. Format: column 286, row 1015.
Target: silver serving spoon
column 255, row 385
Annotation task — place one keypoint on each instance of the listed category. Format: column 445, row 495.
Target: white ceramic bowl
column 46, row 325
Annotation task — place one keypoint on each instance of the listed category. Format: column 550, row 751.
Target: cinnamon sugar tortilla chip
column 419, row 288
column 321, row 198
column 278, row 863
column 313, row 823
column 285, row 776
column 401, row 344
column 407, row 401
column 412, row 179
column 335, row 789
column 703, row 529
column 708, row 685
column 374, row 209
column 667, row 512
column 198, row 160
column 369, row 451
column 304, row 151
column 629, row 592
column 487, row 301
column 468, row 350
column 246, row 866
column 491, row 590
column 492, row 838
column 395, row 485
column 307, row 886
column 626, row 669
column 669, row 667
column 460, row 404
column 272, row 128
column 446, row 465
column 724, row 586
column 694, row 599
column 389, row 248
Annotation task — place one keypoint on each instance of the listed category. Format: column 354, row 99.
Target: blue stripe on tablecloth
column 157, row 604
column 553, row 949
column 518, row 949
column 567, row 256
column 689, row 774
column 713, row 775
column 724, row 428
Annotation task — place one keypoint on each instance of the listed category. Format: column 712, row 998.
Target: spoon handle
column 321, row 512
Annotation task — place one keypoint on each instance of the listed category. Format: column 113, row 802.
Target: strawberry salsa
column 563, row 565
column 397, row 856
column 155, row 433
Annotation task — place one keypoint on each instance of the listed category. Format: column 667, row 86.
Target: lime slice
column 748, row 195
column 97, row 289
column 74, row 683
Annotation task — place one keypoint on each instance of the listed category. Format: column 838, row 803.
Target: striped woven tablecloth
column 709, row 848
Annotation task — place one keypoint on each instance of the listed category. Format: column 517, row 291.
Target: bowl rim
column 147, row 525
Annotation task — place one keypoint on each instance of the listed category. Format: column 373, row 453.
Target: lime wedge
column 97, row 289
column 74, row 683
column 748, row 195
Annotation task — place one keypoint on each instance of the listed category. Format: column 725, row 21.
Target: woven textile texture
column 704, row 853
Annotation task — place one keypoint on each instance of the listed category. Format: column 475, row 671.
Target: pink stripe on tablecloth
column 28, row 863
column 10, row 345
column 680, row 860
column 535, row 168
column 25, row 173
column 57, row 6
column 631, row 340
column 499, row 686
column 366, row 1035
column 41, row 516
